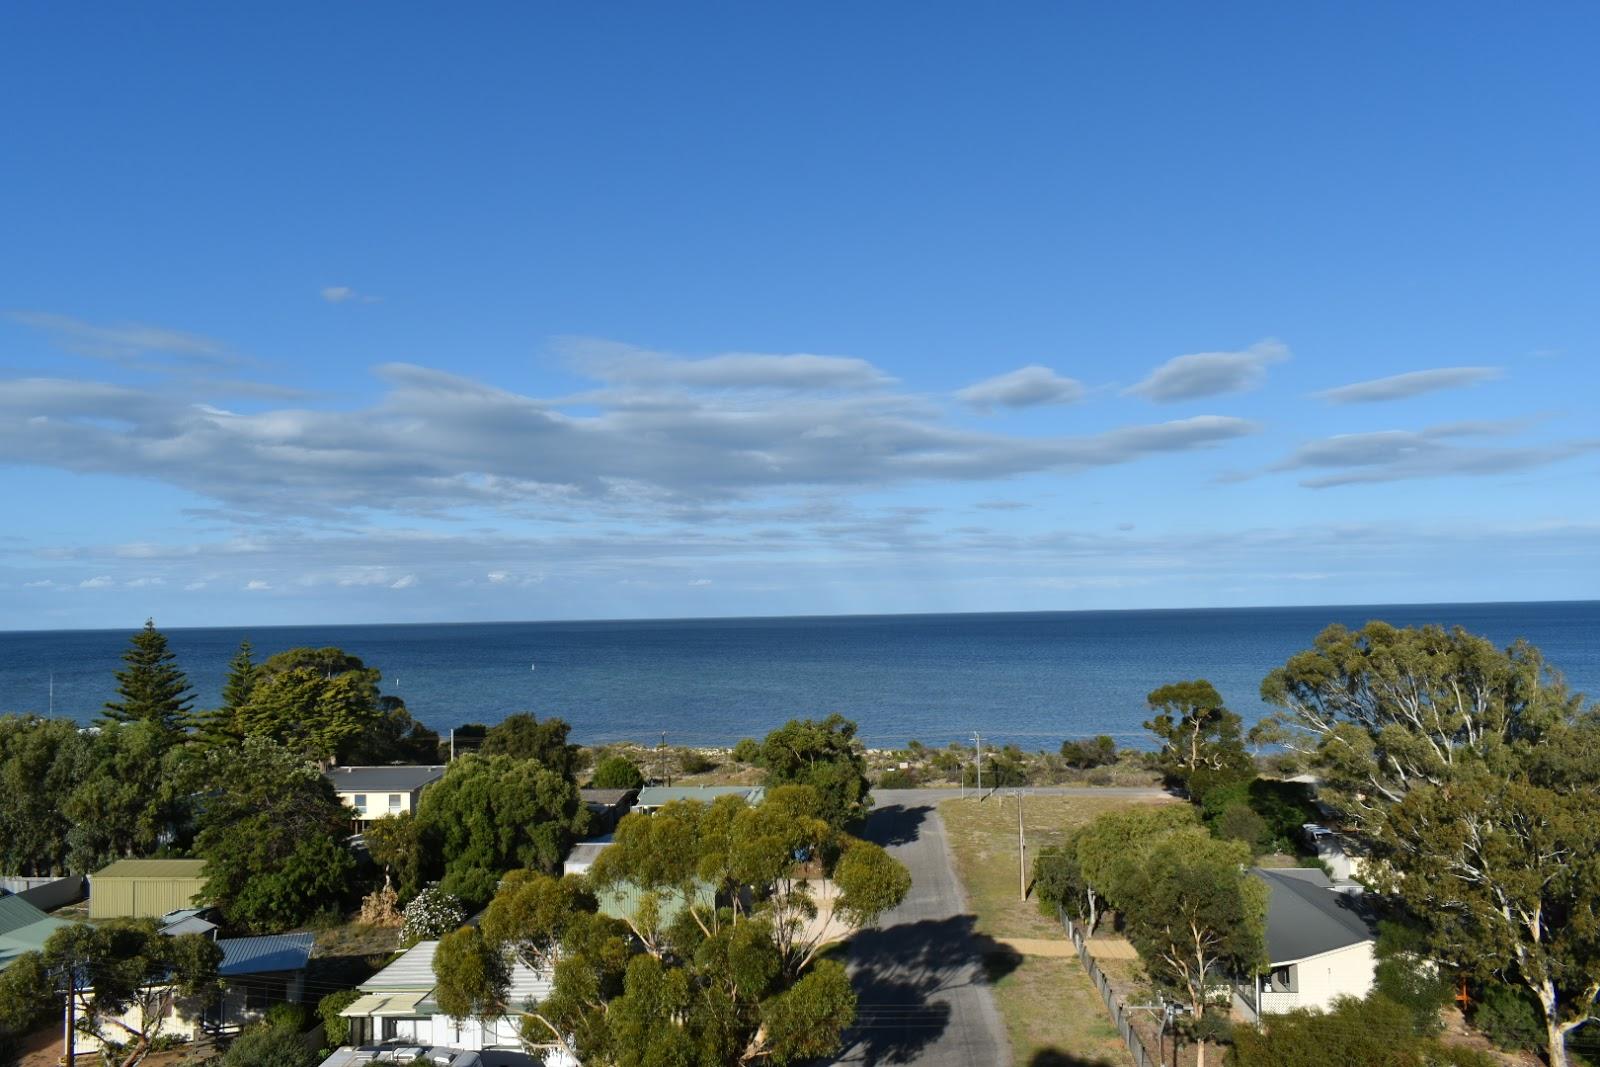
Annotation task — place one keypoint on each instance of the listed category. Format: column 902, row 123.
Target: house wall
column 187, row 1017
column 1320, row 980
column 378, row 803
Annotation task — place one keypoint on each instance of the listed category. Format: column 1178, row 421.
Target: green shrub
column 1405, row 975
column 747, row 751
column 693, row 761
column 617, row 772
column 1238, row 823
column 268, row 1046
column 336, row 1026
column 293, row 1016
column 1086, row 755
column 1508, row 1016
column 895, row 778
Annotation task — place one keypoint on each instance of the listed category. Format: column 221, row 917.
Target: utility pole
column 71, row 1038
column 661, row 751
column 1022, row 854
column 978, row 741
column 452, row 744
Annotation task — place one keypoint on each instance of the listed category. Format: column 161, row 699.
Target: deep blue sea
column 1031, row 678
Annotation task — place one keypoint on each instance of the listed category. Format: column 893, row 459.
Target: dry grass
column 1052, row 1012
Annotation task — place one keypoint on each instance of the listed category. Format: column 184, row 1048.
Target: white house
column 1318, row 941
column 658, row 796
column 256, row 972
column 378, row 791
column 396, row 1011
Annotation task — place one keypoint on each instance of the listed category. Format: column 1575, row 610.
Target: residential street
column 923, row 975
column 923, row 995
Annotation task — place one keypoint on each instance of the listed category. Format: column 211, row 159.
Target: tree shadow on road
column 896, row 824
column 899, row 971
column 1054, row 1057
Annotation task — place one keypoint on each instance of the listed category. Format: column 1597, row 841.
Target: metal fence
column 48, row 894
column 1119, row 1014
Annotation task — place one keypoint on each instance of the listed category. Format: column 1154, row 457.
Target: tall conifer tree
column 151, row 688
column 220, row 725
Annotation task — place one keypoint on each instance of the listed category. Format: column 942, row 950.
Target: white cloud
column 436, row 442
column 42, row 583
column 121, row 341
column 100, row 581
column 404, row 582
column 195, row 586
column 342, row 294
column 700, row 581
column 1396, row 455
column 1413, row 383
column 618, row 363
column 144, row 583
column 1203, row 374
column 255, row 585
column 1028, row 386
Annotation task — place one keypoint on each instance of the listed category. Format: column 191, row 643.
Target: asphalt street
column 924, row 997
column 923, row 975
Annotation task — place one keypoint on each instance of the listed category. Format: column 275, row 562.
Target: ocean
column 1032, row 679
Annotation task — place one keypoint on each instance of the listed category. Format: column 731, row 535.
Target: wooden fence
column 1119, row 1014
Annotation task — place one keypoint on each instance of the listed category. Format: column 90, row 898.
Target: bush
column 268, row 1046
column 1238, row 823
column 430, row 916
column 617, row 772
column 1508, row 1016
column 1406, row 976
column 1101, row 776
column 895, row 778
column 293, row 1016
column 747, row 751
column 335, row 1026
column 1098, row 751
column 693, row 761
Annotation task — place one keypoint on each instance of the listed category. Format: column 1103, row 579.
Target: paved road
column 922, row 975
column 919, row 976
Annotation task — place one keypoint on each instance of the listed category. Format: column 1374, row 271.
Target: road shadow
column 895, row 824
column 899, row 973
column 1054, row 1057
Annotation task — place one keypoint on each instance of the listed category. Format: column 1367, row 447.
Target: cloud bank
column 1027, row 387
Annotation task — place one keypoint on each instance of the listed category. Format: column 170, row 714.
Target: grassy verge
column 1052, row 1013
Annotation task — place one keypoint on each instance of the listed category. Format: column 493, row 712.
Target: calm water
column 1032, row 678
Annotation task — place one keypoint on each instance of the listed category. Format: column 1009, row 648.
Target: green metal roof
column 152, row 869
column 23, row 928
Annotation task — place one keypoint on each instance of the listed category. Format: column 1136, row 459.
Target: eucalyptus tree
column 1473, row 775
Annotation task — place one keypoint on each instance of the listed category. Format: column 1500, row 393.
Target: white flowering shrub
column 430, row 915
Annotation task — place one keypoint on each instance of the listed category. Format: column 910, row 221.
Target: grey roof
column 401, row 778
column 189, row 924
column 654, row 796
column 264, row 955
column 1307, row 916
column 23, row 928
column 606, row 798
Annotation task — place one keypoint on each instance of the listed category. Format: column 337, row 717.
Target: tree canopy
column 151, row 687
column 1201, row 744
column 271, row 833
column 1374, row 1032
column 712, row 955
column 1475, row 777
column 491, row 814
column 826, row 756
column 316, row 700
column 523, row 736
column 114, row 966
column 617, row 772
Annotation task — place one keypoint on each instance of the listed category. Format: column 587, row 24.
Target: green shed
column 144, row 889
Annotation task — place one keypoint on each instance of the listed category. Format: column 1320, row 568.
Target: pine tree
column 220, row 725
column 151, row 688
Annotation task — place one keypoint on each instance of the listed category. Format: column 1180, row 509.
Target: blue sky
column 406, row 313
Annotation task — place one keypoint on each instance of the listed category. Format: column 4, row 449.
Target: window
column 359, row 802
column 394, row 803
column 1283, row 980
